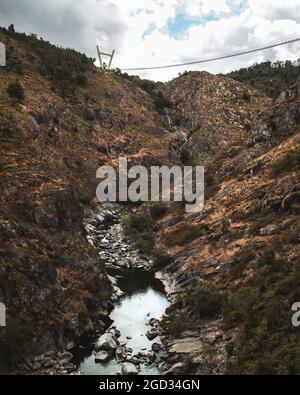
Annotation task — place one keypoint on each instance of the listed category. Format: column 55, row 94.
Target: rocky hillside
column 234, row 268
column 60, row 119
column 237, row 263
column 270, row 78
column 215, row 112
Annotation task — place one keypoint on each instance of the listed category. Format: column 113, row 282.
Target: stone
column 175, row 369
column 115, row 332
column 65, row 356
column 107, row 343
column 50, row 354
column 156, row 347
column 150, row 357
column 129, row 368
column 48, row 362
column 152, row 334
column 101, row 356
column 37, row 366
column 186, row 346
column 268, row 230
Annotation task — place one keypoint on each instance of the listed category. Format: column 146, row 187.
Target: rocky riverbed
column 132, row 343
column 128, row 338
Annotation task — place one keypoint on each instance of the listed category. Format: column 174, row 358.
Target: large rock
column 129, row 368
column 175, row 369
column 101, row 356
column 107, row 343
column 152, row 333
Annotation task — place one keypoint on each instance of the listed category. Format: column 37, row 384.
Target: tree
column 16, row 91
column 11, row 28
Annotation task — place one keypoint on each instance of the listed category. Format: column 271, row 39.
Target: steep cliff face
column 52, row 142
column 215, row 112
column 245, row 245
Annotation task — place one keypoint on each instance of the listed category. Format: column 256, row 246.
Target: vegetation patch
column 290, row 162
column 151, row 87
column 204, row 300
column 241, row 260
column 158, row 210
column 16, row 92
column 139, row 228
column 183, row 233
column 174, row 324
column 269, row 344
column 64, row 67
column 270, row 78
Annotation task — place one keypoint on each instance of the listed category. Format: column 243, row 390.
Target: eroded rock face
column 279, row 120
column 213, row 111
column 51, row 279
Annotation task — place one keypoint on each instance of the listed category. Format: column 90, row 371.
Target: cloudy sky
column 158, row 32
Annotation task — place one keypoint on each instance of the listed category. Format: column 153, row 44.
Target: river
column 143, row 299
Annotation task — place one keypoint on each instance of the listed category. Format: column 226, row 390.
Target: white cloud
column 140, row 29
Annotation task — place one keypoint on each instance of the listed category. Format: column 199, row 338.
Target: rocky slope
column 215, row 112
column 235, row 266
column 52, row 142
column 244, row 250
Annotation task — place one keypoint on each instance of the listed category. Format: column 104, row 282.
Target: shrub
column 204, row 299
column 162, row 257
column 160, row 102
column 81, row 80
column 174, row 325
column 83, row 195
column 185, row 157
column 144, row 242
column 240, row 304
column 136, row 222
column 246, row 96
column 16, row 91
column 240, row 262
column 16, row 343
column 138, row 227
column 262, row 309
column 184, row 233
column 290, row 162
column 158, row 210
column 13, row 62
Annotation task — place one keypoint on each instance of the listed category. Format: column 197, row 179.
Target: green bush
column 262, row 309
column 64, row 67
column 290, row 162
column 138, row 227
column 162, row 257
column 161, row 102
column 15, row 343
column 158, row 210
column 16, row 91
column 174, row 325
column 204, row 299
column 246, row 96
column 183, row 233
column 144, row 242
column 83, row 195
column 136, row 222
column 186, row 157
column 240, row 261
